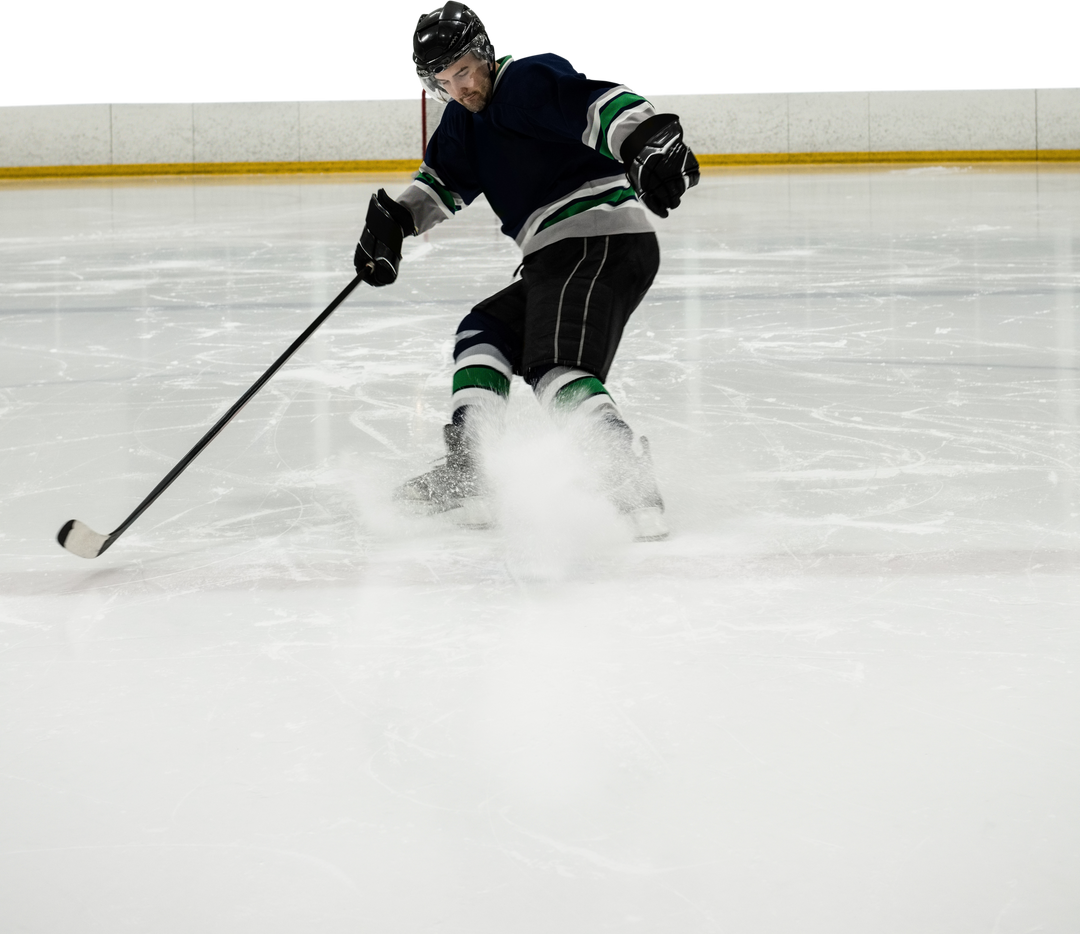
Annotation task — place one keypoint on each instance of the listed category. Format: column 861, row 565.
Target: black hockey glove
column 378, row 254
column 659, row 164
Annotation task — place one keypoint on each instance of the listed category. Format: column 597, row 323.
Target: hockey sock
column 482, row 368
column 563, row 389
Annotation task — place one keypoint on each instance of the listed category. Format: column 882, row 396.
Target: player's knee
column 478, row 329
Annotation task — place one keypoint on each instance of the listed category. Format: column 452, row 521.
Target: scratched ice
column 841, row 698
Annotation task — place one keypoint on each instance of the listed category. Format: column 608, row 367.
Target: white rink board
column 842, row 698
column 1020, row 121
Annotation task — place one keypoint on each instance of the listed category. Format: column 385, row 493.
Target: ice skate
column 630, row 483
column 638, row 497
column 454, row 484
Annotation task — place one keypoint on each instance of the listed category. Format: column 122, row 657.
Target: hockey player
column 569, row 165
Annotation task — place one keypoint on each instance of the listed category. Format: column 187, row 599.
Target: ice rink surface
column 841, row 699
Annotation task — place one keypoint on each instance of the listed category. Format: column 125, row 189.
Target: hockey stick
column 81, row 540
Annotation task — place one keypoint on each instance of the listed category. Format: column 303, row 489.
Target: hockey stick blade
column 81, row 540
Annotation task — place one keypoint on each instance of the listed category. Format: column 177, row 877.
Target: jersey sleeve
column 612, row 116
column 445, row 182
column 429, row 200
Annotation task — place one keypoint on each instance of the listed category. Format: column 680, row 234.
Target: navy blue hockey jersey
column 545, row 153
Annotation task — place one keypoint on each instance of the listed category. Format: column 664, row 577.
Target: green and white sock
column 481, row 376
column 565, row 389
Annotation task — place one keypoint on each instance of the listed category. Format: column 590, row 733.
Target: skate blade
column 472, row 513
column 648, row 524
column 476, row 513
column 421, row 507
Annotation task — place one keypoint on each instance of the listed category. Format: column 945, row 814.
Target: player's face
column 468, row 81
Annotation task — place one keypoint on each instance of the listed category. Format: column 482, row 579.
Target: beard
column 477, row 100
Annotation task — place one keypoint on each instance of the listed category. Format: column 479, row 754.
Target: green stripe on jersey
column 573, row 394
column 481, row 377
column 609, row 112
column 444, row 193
column 613, row 197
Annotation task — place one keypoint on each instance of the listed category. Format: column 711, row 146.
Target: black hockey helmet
column 445, row 35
